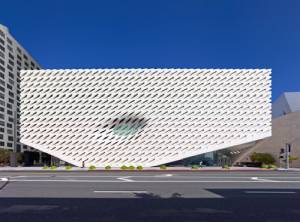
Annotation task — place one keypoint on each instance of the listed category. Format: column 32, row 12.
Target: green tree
column 263, row 158
column 4, row 156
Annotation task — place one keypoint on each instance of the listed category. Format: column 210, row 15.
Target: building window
column 11, row 56
column 2, row 48
column 9, row 86
column 11, row 94
column 10, row 68
column 11, row 81
column 9, row 48
column 9, row 41
column 11, row 63
column 2, row 69
column 11, row 75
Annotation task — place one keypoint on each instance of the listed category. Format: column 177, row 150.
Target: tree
column 263, row 158
column 4, row 156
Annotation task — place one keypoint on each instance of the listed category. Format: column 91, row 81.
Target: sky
column 161, row 34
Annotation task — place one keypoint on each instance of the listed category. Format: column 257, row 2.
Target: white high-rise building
column 13, row 58
column 142, row 117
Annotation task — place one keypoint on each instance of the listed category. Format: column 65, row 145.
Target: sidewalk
column 147, row 169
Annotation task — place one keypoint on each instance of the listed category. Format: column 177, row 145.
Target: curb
column 137, row 171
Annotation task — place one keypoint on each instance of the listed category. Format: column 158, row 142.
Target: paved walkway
column 145, row 169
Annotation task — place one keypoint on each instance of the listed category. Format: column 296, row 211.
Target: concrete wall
column 286, row 129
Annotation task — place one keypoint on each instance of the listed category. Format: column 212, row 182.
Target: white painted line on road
column 168, row 175
column 263, row 180
column 125, row 179
column 155, row 181
column 160, row 175
column 120, row 191
column 270, row 192
column 4, row 179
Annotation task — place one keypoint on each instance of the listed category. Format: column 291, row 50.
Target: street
column 271, row 196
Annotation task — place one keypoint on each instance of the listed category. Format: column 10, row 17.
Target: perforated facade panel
column 142, row 117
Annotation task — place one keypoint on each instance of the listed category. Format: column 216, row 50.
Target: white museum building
column 144, row 117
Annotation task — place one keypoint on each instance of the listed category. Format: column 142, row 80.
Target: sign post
column 287, row 155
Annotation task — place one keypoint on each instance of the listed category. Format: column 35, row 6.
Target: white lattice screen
column 142, row 116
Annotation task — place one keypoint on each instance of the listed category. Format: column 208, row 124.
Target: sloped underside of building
column 142, row 117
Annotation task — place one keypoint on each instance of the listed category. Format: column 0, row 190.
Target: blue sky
column 161, row 33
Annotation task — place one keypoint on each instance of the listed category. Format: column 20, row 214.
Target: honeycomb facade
column 142, row 117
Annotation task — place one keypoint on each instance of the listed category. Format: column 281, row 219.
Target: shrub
column 163, row 167
column 4, row 156
column 264, row 158
column 272, row 166
column 195, row 167
column 139, row 168
column 264, row 166
column 68, row 167
column 92, row 167
column 131, row 167
column 124, row 167
column 108, row 167
column 53, row 167
column 45, row 167
column 226, row 167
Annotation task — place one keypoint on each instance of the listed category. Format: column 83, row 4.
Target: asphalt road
column 268, row 196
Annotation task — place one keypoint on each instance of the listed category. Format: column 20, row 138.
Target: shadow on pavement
column 235, row 206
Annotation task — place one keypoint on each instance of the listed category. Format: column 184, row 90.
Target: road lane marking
column 4, row 179
column 154, row 181
column 125, row 179
column 270, row 192
column 263, row 180
column 167, row 175
column 120, row 191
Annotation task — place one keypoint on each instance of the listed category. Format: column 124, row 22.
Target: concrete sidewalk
column 189, row 169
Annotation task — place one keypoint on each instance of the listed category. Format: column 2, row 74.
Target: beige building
column 13, row 58
column 285, row 129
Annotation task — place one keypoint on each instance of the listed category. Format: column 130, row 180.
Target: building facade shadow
column 236, row 205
